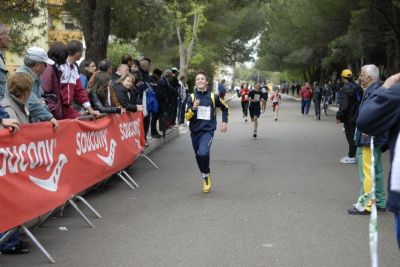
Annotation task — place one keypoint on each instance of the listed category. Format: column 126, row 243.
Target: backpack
column 151, row 99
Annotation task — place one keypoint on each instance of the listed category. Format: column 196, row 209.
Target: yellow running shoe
column 207, row 184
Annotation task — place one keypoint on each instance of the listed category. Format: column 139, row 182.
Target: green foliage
column 318, row 37
column 117, row 49
column 299, row 32
column 19, row 15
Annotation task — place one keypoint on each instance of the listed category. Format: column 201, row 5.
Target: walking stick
column 373, row 222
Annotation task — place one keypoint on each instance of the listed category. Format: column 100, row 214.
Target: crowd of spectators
column 51, row 86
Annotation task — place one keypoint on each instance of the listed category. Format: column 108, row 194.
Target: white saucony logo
column 109, row 160
column 51, row 184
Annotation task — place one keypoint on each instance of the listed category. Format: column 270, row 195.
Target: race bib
column 256, row 97
column 203, row 113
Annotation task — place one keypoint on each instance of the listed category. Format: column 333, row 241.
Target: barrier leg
column 73, row 204
column 84, row 201
column 7, row 235
column 46, row 217
column 123, row 179
column 149, row 160
column 130, row 178
column 37, row 243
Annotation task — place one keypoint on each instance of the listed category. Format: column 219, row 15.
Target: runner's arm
column 189, row 109
column 224, row 108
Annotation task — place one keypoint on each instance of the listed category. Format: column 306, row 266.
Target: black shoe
column 21, row 248
column 276, row 119
column 255, row 135
column 157, row 135
column 354, row 211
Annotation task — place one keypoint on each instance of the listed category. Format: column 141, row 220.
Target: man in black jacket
column 145, row 71
column 174, row 95
column 351, row 94
column 317, row 97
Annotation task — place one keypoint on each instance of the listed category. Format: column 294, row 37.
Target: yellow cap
column 347, row 73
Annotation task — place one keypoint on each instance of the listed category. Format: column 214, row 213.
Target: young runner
column 276, row 101
column 244, row 94
column 255, row 98
column 201, row 114
column 264, row 90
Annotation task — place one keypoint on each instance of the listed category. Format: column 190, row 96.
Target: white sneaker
column 183, row 129
column 348, row 160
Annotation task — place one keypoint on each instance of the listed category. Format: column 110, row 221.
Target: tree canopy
column 310, row 39
column 320, row 37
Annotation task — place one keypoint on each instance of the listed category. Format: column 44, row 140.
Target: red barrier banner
column 41, row 168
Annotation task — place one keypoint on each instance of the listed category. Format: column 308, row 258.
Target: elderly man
column 380, row 113
column 35, row 63
column 369, row 79
column 4, row 43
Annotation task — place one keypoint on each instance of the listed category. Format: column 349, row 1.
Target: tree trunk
column 95, row 16
column 182, row 54
column 233, row 72
column 185, row 54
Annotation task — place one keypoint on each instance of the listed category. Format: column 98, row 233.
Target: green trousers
column 364, row 170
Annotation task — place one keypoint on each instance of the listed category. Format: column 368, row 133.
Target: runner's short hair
column 202, row 72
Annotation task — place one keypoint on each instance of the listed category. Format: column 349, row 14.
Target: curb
column 157, row 143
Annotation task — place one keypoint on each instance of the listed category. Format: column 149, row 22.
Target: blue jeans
column 326, row 103
column 201, row 142
column 11, row 242
column 305, row 106
column 181, row 111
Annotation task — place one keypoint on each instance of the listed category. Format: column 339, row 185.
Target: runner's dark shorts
column 255, row 110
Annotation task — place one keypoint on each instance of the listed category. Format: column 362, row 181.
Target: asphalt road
column 279, row 200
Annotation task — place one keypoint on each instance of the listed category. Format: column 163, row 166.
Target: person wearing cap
column 4, row 44
column 35, row 62
column 351, row 96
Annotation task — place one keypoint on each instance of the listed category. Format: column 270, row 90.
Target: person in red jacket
column 305, row 94
column 244, row 94
column 63, row 83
